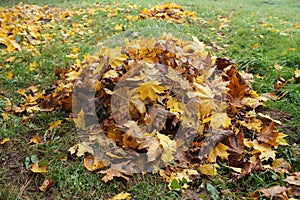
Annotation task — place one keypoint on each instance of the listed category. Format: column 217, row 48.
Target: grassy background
column 278, row 42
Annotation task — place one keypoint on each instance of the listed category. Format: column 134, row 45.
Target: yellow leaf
column 122, row 196
column 297, row 25
column 37, row 169
column 218, row 151
column 280, row 140
column 81, row 149
column 9, row 75
column 92, row 163
column 4, row 140
column 119, row 27
column 209, row 169
column 35, row 139
column 75, row 49
column 169, row 146
column 265, row 151
column 54, row 124
column 32, row 66
column 255, row 46
column 150, row 89
column 80, row 121
column 297, row 73
column 220, row 120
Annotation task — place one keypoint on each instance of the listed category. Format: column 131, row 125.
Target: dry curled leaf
column 46, row 185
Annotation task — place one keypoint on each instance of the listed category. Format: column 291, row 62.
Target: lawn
column 261, row 37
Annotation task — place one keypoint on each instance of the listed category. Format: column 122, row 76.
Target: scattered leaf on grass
column 4, row 140
column 35, row 139
column 37, row 169
column 46, row 185
column 54, row 124
column 122, row 196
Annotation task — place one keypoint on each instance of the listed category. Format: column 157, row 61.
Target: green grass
column 72, row 180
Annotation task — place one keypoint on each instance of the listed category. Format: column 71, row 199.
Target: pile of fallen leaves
column 170, row 12
column 168, row 106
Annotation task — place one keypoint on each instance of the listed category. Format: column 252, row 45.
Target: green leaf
column 213, row 192
column 34, row 159
column 27, row 162
column 175, row 185
column 19, row 38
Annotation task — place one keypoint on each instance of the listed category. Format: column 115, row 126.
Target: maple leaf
column 280, row 140
column 37, row 169
column 265, row 151
column 294, row 179
column 150, row 90
column 111, row 173
column 209, row 169
column 169, row 147
column 218, row 120
column 220, row 150
column 268, row 135
column 280, row 165
column 80, row 149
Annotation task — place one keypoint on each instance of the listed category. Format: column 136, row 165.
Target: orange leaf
column 4, row 140
column 54, row 124
column 92, row 163
column 35, row 139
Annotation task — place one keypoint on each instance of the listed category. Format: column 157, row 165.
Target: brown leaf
column 111, row 173
column 280, row 165
column 294, row 179
column 46, row 185
column 211, row 140
column 273, row 191
column 249, row 168
column 268, row 135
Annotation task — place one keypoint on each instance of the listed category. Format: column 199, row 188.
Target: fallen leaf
column 92, row 163
column 150, row 89
column 218, row 151
column 46, row 185
column 280, row 165
column 209, row 169
column 37, row 169
column 294, row 179
column 35, row 139
column 4, row 140
column 9, row 75
column 54, row 124
column 273, row 191
column 111, row 173
column 122, row 196
column 297, row 73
